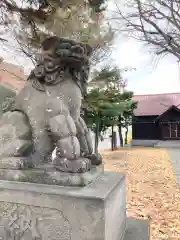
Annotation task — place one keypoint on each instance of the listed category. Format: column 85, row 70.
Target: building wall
column 145, row 128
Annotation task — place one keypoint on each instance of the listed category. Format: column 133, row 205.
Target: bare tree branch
column 156, row 22
column 3, row 40
column 33, row 20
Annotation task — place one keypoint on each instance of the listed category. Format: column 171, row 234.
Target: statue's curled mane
column 66, row 57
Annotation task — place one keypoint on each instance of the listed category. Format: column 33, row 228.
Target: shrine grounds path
column 152, row 192
column 174, row 157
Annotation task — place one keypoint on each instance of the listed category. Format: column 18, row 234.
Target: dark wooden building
column 157, row 117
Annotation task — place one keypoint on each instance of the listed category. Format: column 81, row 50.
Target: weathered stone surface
column 17, row 125
column 48, row 174
column 62, row 126
column 15, row 137
column 31, row 222
column 16, row 148
column 7, row 98
column 84, row 137
column 115, row 214
column 137, row 229
column 69, row 148
column 32, row 211
column 11, row 163
column 80, row 165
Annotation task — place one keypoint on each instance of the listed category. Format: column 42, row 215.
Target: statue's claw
column 96, row 158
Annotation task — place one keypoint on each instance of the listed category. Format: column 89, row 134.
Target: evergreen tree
column 110, row 80
column 101, row 111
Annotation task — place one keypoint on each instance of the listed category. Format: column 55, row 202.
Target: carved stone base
column 47, row 174
column 36, row 211
column 15, row 163
column 80, row 165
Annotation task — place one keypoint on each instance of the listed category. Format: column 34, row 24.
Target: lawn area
column 151, row 190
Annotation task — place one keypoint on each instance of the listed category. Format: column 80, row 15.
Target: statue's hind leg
column 68, row 157
column 86, row 147
column 15, row 141
column 84, row 138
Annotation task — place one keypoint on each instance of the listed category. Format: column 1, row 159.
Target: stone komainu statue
column 46, row 113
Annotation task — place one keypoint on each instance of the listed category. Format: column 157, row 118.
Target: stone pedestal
column 47, row 174
column 31, row 211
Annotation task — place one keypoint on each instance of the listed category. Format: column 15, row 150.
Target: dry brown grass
column 151, row 190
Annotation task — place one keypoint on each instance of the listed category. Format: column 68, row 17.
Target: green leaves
column 104, row 102
column 106, row 77
column 105, row 105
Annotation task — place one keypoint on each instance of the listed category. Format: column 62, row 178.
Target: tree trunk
column 96, row 137
column 126, row 136
column 115, row 140
column 112, row 138
column 120, row 133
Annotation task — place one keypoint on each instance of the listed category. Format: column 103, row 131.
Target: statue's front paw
column 73, row 166
column 96, row 158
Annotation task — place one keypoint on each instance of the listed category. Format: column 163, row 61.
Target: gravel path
column 151, row 190
column 174, row 157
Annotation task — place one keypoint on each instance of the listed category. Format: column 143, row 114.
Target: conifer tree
column 118, row 105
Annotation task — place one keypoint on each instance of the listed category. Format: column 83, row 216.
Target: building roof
column 155, row 104
column 11, row 75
